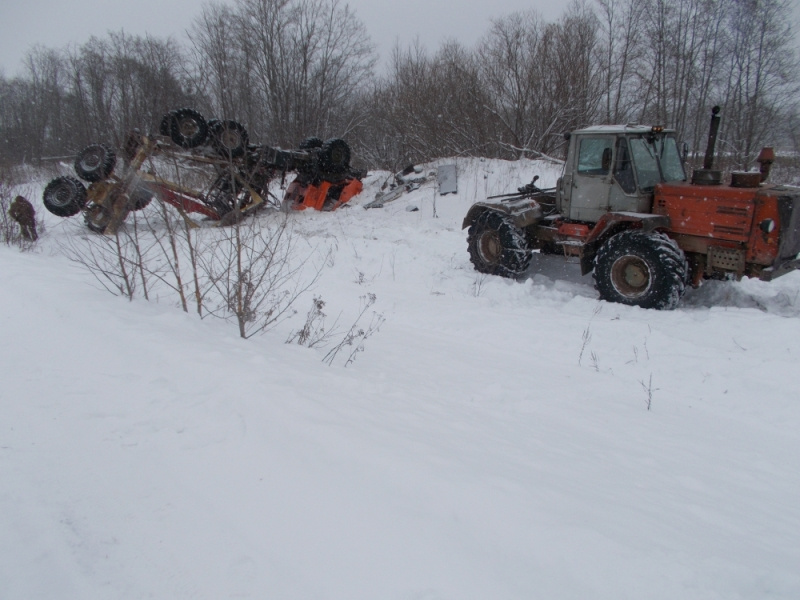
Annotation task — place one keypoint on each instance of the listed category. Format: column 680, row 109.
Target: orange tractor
column 240, row 174
column 625, row 209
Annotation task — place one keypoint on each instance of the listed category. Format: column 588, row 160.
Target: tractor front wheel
column 641, row 269
column 497, row 247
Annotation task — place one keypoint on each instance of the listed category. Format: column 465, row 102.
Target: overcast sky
column 56, row 23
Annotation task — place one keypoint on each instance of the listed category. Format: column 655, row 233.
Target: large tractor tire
column 229, row 138
column 95, row 162
column 187, row 128
column 64, row 196
column 641, row 269
column 334, row 156
column 498, row 247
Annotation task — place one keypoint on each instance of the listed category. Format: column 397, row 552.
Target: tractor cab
column 614, row 168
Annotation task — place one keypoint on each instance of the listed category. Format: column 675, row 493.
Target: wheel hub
column 91, row 161
column 231, row 139
column 188, row 127
column 490, row 247
column 630, row 276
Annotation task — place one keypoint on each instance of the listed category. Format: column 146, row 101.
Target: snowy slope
column 492, row 440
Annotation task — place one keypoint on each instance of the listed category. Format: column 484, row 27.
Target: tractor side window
column 594, row 156
column 623, row 168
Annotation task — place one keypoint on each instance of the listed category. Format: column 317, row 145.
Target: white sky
column 56, row 23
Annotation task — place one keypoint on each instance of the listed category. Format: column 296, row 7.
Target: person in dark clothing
column 23, row 213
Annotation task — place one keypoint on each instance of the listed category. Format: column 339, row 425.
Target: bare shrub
column 111, row 259
column 255, row 274
column 355, row 337
column 313, row 333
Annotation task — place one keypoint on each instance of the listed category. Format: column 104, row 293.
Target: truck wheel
column 95, row 162
column 97, row 217
column 229, row 138
column 641, row 269
column 166, row 123
column 497, row 247
column 64, row 196
column 187, row 128
column 139, row 198
column 310, row 143
column 334, row 156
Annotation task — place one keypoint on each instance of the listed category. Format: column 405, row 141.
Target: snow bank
column 491, row 441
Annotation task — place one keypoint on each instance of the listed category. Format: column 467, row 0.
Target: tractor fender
column 610, row 221
column 614, row 222
column 523, row 212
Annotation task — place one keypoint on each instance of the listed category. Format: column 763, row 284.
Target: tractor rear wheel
column 641, row 269
column 498, row 247
column 64, row 196
column 95, row 162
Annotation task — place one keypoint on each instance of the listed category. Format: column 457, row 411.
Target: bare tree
column 762, row 76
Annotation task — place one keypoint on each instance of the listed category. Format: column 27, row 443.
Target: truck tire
column 187, row 128
column 497, row 247
column 95, row 162
column 64, row 196
column 97, row 217
column 229, row 138
column 166, row 123
column 334, row 156
column 641, row 269
column 139, row 198
column 310, row 143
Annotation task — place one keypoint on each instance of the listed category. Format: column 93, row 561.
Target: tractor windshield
column 657, row 160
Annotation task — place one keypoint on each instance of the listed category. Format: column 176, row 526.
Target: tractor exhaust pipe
column 712, row 138
column 706, row 175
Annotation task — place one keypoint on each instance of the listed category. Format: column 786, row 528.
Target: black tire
column 97, row 217
column 139, row 198
column 334, row 156
column 229, row 138
column 188, row 128
column 497, row 247
column 64, row 196
column 641, row 269
column 95, row 162
column 310, row 143
column 166, row 123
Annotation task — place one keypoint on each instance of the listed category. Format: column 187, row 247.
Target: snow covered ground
column 491, row 441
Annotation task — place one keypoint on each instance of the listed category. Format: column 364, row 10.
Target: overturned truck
column 240, row 174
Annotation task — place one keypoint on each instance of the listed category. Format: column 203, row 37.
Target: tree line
column 290, row 69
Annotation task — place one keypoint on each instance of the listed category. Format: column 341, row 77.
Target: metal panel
column 447, row 178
